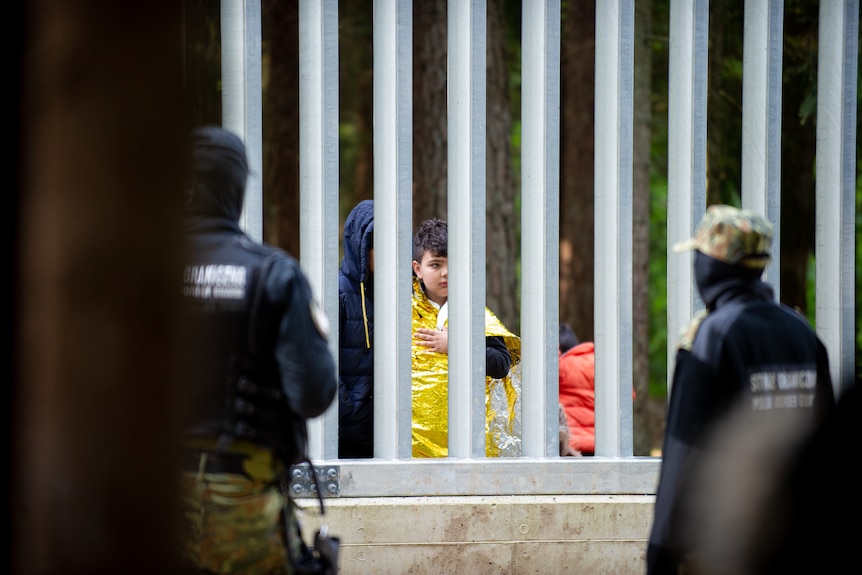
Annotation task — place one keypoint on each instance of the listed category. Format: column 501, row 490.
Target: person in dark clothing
column 773, row 495
column 356, row 335
column 258, row 366
column 743, row 349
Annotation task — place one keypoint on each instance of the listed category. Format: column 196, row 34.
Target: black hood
column 219, row 173
column 358, row 230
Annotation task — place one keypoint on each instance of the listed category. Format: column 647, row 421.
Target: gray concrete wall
column 478, row 535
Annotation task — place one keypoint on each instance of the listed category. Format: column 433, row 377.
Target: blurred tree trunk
column 502, row 231
column 576, row 167
column 797, row 160
column 280, row 39
column 281, row 110
column 202, row 62
column 797, row 205
column 356, row 103
column 101, row 150
column 429, row 110
column 430, row 147
column 724, row 103
column 649, row 412
column 642, row 111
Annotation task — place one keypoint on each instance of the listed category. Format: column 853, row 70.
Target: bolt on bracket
column 302, row 483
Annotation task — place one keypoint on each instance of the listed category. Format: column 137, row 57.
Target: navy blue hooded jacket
column 356, row 336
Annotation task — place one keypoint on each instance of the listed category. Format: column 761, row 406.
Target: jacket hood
column 358, row 231
column 219, row 172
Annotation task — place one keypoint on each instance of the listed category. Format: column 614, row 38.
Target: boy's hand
column 434, row 339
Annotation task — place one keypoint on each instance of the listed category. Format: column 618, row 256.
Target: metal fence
column 614, row 470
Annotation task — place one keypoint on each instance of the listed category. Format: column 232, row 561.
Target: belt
column 258, row 466
column 210, row 462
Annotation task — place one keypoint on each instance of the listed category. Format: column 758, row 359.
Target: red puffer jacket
column 577, row 394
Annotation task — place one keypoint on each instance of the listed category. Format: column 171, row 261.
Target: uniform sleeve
column 690, row 408
column 306, row 365
column 497, row 358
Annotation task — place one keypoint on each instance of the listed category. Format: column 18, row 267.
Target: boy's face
column 434, row 272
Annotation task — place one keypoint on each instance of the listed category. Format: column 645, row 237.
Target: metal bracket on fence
column 302, row 484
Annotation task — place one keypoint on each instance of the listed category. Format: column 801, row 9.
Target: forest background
column 280, row 47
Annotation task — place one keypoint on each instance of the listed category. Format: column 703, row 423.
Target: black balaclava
column 219, row 173
column 713, row 276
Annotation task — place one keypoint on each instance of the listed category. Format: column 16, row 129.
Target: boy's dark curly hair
column 432, row 236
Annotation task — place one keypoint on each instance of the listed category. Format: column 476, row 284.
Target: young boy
column 431, row 359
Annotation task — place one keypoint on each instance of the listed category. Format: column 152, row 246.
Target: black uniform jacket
column 249, row 307
column 747, row 348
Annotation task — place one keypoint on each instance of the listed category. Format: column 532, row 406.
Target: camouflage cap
column 733, row 236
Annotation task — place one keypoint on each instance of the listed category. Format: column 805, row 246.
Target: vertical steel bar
column 466, row 216
column 318, row 181
column 837, row 69
column 540, row 200
column 393, row 145
column 686, row 179
column 761, row 119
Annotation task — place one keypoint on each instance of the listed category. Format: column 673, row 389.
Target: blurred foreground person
column 774, row 495
column 258, row 367
column 744, row 348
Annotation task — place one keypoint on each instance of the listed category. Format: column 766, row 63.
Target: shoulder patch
column 686, row 338
column 318, row 316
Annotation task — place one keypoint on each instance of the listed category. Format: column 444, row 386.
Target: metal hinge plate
column 302, row 484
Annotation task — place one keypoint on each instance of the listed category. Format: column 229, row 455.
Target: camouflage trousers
column 233, row 524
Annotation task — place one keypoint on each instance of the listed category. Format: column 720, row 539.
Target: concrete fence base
column 473, row 535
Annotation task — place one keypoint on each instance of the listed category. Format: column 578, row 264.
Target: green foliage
column 658, row 337
column 657, row 267
column 858, row 303
column 516, row 148
column 808, row 107
column 732, row 69
column 800, row 55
